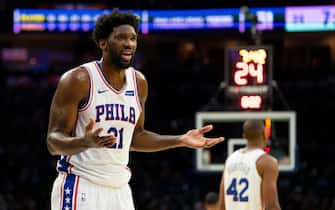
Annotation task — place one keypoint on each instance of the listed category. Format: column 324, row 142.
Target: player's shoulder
column 269, row 159
column 142, row 83
column 234, row 155
column 76, row 78
column 78, row 74
column 267, row 162
column 139, row 75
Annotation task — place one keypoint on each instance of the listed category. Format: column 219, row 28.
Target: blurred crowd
column 181, row 82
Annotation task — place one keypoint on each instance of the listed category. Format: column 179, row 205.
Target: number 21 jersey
column 116, row 111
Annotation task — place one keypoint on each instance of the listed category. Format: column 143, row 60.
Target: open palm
column 195, row 138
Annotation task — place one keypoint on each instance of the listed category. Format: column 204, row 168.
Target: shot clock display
column 248, row 75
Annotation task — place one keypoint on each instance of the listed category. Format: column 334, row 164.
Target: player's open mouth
column 126, row 56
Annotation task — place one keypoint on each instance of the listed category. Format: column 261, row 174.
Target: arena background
column 184, row 70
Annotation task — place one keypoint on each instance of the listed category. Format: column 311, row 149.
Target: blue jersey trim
column 68, row 192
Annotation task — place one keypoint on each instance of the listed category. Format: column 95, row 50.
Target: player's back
column 242, row 182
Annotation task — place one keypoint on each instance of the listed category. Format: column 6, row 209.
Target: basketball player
column 97, row 117
column 249, row 181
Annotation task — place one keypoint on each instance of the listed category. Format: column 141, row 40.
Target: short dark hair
column 107, row 22
column 253, row 129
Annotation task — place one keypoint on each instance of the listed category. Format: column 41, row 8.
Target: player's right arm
column 71, row 92
column 267, row 167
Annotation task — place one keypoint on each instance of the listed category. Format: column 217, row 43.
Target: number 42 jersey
column 242, row 182
column 116, row 111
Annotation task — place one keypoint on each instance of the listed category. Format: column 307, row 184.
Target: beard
column 116, row 59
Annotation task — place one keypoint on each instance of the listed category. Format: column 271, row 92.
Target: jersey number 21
column 118, row 135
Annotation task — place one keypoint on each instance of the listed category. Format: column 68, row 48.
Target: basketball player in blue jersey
column 97, row 118
column 249, row 181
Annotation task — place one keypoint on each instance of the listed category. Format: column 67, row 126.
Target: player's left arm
column 222, row 194
column 147, row 141
column 268, row 170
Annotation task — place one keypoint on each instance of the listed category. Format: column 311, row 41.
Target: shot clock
column 248, row 76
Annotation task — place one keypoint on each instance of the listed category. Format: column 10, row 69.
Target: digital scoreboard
column 248, row 75
column 231, row 19
column 310, row 18
column 291, row 19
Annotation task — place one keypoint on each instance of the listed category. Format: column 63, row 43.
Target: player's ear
column 103, row 44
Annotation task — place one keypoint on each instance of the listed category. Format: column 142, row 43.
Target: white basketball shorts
column 71, row 192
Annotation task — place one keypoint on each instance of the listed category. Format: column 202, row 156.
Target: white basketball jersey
column 242, row 182
column 116, row 111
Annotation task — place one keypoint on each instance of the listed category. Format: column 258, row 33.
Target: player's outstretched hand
column 195, row 138
column 92, row 138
